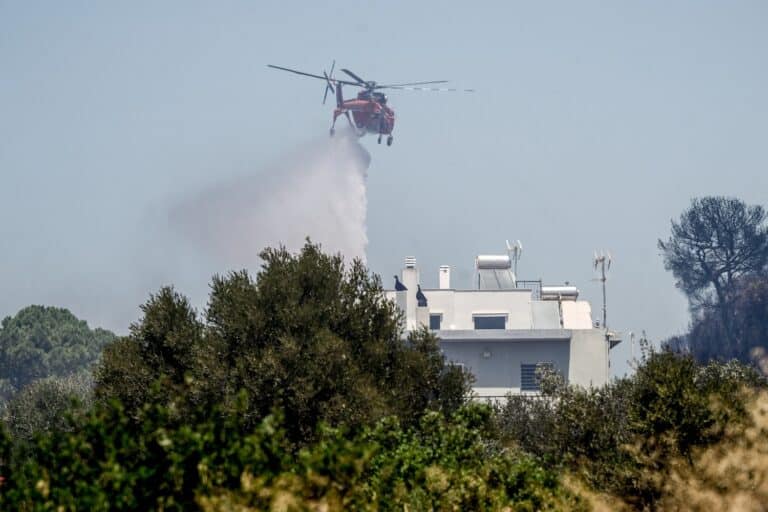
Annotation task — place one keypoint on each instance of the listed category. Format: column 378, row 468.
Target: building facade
column 504, row 330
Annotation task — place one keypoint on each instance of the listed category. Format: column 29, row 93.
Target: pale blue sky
column 593, row 125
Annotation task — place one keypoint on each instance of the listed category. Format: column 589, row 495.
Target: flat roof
column 503, row 334
column 513, row 290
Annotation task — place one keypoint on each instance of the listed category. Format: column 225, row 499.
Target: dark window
column 434, row 321
column 490, row 322
column 530, row 375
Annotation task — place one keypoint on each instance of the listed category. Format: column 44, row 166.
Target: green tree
column 309, row 336
column 48, row 404
column 717, row 242
column 749, row 326
column 40, row 342
column 166, row 357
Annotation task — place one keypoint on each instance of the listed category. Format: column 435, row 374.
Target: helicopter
column 368, row 113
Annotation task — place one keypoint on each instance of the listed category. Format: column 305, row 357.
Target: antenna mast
column 603, row 260
column 514, row 251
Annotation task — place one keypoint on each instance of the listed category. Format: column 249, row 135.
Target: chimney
column 410, row 278
column 445, row 277
column 410, row 274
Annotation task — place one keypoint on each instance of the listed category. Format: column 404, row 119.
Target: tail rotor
column 328, row 82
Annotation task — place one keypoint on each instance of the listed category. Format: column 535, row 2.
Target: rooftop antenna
column 603, row 260
column 514, row 251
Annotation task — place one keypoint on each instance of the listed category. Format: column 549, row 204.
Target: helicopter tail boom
column 339, row 96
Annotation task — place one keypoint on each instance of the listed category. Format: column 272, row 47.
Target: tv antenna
column 515, row 250
column 603, row 260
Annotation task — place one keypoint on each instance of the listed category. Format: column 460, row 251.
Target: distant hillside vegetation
column 42, row 342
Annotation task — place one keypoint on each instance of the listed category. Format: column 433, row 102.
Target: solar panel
column 495, row 279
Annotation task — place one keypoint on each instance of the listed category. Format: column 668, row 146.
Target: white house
column 504, row 329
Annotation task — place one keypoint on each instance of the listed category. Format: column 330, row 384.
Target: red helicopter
column 370, row 113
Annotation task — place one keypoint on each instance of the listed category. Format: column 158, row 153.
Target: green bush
column 622, row 438
column 216, row 463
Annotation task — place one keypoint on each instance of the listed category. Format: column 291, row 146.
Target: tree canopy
column 40, row 342
column 748, row 328
column 717, row 241
column 718, row 245
column 310, row 336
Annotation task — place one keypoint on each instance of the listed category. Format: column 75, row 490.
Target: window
column 530, row 375
column 435, row 319
column 490, row 321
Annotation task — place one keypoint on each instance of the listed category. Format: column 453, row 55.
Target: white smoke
column 317, row 192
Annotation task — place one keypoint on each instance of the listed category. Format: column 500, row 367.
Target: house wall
column 458, row 307
column 536, row 331
column 496, row 364
column 589, row 358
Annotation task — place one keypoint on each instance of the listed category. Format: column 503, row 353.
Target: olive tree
column 310, row 335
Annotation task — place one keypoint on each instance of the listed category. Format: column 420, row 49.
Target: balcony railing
column 533, row 285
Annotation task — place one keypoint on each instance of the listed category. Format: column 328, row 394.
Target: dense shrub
column 574, row 428
column 626, row 437
column 217, row 463
column 731, row 474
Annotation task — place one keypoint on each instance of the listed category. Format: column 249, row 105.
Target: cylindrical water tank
column 493, row 261
column 559, row 292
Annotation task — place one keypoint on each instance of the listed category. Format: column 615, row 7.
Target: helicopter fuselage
column 369, row 113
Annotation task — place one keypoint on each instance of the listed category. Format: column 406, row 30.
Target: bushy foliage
column 310, row 336
column 40, row 342
column 165, row 358
column 218, row 463
column 718, row 253
column 48, row 404
column 717, row 241
column 570, row 427
column 731, row 474
column 626, row 437
column 749, row 326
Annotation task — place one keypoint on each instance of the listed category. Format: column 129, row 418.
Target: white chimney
column 410, row 274
column 410, row 278
column 445, row 277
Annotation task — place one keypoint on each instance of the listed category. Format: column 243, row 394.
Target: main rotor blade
column 359, row 80
column 412, row 83
column 429, row 89
column 334, row 80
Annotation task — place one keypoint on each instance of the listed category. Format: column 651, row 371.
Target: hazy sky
column 593, row 124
